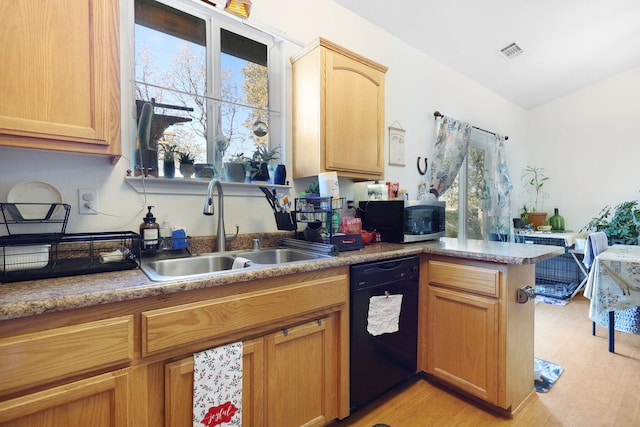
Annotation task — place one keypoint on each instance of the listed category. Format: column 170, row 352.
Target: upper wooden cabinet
column 60, row 79
column 338, row 113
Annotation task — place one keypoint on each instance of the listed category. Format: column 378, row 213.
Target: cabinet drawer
column 174, row 327
column 40, row 357
column 480, row 280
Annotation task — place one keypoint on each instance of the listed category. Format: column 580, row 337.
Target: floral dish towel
column 217, row 386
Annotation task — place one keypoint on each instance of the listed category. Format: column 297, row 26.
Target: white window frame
column 214, row 19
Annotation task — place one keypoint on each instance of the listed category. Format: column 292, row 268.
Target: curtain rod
column 437, row 114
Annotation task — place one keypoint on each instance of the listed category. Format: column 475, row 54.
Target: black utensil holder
column 285, row 221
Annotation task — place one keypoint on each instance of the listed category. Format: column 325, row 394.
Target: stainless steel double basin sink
column 209, row 264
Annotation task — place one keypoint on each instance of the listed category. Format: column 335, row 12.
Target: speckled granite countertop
column 30, row 298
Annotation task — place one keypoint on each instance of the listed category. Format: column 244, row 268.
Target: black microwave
column 404, row 221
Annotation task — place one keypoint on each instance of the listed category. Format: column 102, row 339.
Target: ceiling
column 566, row 45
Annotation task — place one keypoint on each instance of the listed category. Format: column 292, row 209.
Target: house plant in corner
column 533, row 213
column 622, row 228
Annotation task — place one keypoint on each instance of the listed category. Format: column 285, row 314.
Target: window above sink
column 215, row 84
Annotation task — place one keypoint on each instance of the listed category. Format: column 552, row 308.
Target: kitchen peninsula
column 119, row 347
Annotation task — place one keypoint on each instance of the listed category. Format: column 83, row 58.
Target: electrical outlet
column 87, row 201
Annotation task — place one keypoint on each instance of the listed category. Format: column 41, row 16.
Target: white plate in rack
column 35, row 192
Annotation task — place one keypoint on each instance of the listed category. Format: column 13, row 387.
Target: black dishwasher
column 382, row 359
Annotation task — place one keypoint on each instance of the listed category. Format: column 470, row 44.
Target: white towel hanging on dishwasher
column 384, row 314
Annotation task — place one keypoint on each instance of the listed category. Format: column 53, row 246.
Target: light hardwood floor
column 597, row 388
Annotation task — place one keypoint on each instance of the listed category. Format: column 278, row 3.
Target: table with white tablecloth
column 613, row 285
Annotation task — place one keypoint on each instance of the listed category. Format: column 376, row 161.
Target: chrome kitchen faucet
column 221, row 237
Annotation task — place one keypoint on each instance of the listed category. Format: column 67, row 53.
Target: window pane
column 475, row 173
column 467, row 196
column 451, row 197
column 213, row 113
column 244, row 84
column 170, row 52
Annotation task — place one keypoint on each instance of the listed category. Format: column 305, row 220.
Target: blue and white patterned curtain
column 496, row 200
column 449, row 152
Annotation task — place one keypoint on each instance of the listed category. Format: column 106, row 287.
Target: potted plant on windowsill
column 235, row 169
column 169, row 161
column 186, row 160
column 259, row 163
column 533, row 213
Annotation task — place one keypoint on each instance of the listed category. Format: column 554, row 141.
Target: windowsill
column 198, row 186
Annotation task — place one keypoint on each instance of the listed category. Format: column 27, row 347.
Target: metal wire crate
column 561, row 271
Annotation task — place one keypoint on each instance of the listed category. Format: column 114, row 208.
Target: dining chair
column 596, row 243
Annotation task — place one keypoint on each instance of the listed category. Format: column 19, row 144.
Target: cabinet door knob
column 525, row 294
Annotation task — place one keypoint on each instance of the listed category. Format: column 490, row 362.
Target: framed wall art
column 396, row 144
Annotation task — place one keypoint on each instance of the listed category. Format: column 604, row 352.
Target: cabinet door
column 301, row 375
column 40, row 358
column 60, row 75
column 354, row 117
column 179, row 388
column 97, row 401
column 462, row 341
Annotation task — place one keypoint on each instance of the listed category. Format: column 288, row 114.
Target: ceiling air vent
column 511, row 51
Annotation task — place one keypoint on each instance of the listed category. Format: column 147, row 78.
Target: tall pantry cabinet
column 338, row 113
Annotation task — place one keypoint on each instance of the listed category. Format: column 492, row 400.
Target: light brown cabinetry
column 179, row 388
column 101, row 401
column 477, row 337
column 289, row 379
column 60, row 80
column 302, row 375
column 338, row 113
column 130, row 363
column 37, row 359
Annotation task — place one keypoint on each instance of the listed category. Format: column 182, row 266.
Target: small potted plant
column 169, row 161
column 259, row 163
column 235, row 169
column 186, row 160
column 535, row 178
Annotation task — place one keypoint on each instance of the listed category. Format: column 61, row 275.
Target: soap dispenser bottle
column 149, row 231
column 165, row 235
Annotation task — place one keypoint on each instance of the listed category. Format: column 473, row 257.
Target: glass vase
column 169, row 168
column 280, row 175
column 556, row 221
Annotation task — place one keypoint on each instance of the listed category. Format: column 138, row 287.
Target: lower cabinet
column 289, row 379
column 465, row 355
column 179, row 387
column 301, row 375
column 477, row 337
column 97, row 401
column 130, row 363
column 34, row 364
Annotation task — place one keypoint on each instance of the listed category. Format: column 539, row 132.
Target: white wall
column 589, row 145
column 416, row 86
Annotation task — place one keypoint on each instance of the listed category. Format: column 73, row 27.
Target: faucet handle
column 230, row 238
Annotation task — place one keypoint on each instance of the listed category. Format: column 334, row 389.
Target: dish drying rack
column 310, row 209
column 36, row 246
